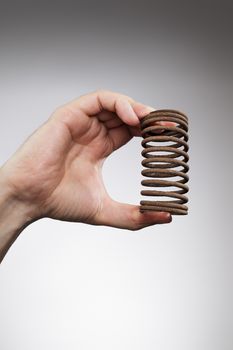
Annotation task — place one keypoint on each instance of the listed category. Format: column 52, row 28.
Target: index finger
column 123, row 105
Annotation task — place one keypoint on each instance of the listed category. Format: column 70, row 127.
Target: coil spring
column 168, row 160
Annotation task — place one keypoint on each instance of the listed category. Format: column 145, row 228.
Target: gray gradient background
column 74, row 286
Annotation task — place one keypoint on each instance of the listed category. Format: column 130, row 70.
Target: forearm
column 14, row 217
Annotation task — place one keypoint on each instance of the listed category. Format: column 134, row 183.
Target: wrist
column 15, row 215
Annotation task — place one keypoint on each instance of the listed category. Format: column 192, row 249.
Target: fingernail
column 167, row 123
column 168, row 217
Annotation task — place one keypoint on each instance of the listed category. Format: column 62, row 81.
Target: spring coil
column 165, row 151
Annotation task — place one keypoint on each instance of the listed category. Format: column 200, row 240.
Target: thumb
column 128, row 216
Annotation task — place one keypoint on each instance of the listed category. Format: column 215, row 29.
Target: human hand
column 57, row 171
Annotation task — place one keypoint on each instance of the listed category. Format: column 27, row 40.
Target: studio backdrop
column 166, row 287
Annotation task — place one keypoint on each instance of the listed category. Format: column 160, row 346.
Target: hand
column 57, row 171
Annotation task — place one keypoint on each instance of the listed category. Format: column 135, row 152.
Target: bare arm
column 14, row 217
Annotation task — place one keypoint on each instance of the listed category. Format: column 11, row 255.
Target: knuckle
column 130, row 99
column 57, row 112
column 102, row 91
column 136, row 222
column 61, row 112
column 105, row 92
column 126, row 98
column 137, row 227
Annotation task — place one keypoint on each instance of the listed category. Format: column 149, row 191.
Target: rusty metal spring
column 165, row 152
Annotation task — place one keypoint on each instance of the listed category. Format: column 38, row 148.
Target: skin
column 57, row 172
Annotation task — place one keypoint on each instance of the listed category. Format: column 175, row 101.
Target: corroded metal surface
column 165, row 152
